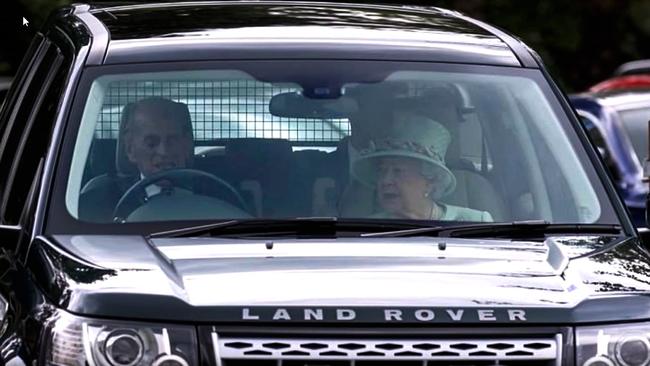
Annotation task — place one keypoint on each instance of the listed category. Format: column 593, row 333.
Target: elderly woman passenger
column 409, row 174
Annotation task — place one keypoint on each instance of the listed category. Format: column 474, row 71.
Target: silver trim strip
column 100, row 36
column 410, row 9
column 4, row 309
column 87, row 343
column 215, row 345
column 560, row 346
column 51, row 156
column 167, row 347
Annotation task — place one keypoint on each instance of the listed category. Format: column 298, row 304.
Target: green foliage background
column 581, row 41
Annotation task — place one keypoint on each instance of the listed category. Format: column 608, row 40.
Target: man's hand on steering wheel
column 181, row 178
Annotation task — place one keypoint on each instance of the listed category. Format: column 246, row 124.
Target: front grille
column 236, row 351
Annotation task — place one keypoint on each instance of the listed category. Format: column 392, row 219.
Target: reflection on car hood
column 197, row 274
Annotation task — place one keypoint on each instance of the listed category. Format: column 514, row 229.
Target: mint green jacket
column 457, row 213
column 452, row 213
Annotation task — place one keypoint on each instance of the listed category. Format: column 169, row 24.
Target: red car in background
column 624, row 83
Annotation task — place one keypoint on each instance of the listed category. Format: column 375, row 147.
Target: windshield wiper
column 300, row 227
column 525, row 229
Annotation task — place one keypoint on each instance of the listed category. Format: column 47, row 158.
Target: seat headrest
column 259, row 148
column 443, row 103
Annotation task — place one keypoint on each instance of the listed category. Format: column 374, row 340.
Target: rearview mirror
column 296, row 105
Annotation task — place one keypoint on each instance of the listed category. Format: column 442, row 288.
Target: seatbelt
column 484, row 161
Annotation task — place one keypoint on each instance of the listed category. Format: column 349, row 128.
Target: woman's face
column 401, row 187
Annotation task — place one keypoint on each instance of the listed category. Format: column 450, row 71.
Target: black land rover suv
column 274, row 183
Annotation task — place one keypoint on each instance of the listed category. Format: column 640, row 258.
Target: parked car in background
column 616, row 112
column 629, row 96
column 305, row 184
column 623, row 84
column 606, row 130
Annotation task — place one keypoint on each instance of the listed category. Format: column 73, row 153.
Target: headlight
column 75, row 341
column 619, row 345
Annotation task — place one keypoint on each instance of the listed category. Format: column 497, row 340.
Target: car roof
column 622, row 99
column 633, row 67
column 623, row 83
column 235, row 29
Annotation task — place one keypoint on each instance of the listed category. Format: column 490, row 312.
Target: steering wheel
column 183, row 178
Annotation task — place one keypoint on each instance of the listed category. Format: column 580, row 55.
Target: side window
column 635, row 122
column 593, row 131
column 601, row 145
column 27, row 134
column 25, row 71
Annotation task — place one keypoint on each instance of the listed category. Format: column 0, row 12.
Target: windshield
column 277, row 140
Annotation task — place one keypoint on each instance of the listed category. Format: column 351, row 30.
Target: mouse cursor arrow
column 25, row 22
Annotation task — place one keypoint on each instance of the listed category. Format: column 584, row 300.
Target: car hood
column 569, row 279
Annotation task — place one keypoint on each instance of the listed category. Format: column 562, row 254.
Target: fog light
column 633, row 351
column 170, row 360
column 124, row 348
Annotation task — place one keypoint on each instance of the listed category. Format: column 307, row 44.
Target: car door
column 26, row 128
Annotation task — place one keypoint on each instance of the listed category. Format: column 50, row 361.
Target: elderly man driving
column 155, row 134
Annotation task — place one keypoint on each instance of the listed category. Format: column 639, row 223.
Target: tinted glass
column 345, row 139
column 32, row 132
column 635, row 122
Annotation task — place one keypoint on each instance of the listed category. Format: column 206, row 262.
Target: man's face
column 157, row 143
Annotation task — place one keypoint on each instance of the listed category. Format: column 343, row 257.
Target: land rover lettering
column 281, row 314
column 427, row 315
column 486, row 315
column 392, row 314
column 389, row 315
column 424, row 315
column 345, row 314
column 246, row 315
column 456, row 315
column 314, row 314
column 517, row 315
